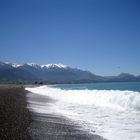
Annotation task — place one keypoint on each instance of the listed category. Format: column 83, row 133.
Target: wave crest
column 115, row 99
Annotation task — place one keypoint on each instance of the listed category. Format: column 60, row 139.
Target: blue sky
column 102, row 36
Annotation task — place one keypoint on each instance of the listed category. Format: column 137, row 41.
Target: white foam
column 115, row 99
column 113, row 114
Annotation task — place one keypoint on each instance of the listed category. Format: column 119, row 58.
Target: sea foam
column 113, row 114
column 115, row 99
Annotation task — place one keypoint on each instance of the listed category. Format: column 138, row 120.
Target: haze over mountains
column 55, row 73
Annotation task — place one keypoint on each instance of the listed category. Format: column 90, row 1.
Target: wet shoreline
column 52, row 126
column 17, row 121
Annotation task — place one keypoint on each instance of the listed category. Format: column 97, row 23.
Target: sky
column 102, row 36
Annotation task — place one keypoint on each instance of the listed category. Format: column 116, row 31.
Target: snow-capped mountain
column 51, row 73
column 35, row 65
column 15, row 65
column 54, row 66
column 54, row 73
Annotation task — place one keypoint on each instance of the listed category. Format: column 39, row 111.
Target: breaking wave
column 114, row 99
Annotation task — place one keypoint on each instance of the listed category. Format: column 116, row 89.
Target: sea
column 111, row 110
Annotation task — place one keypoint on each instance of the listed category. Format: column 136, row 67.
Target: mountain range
column 54, row 73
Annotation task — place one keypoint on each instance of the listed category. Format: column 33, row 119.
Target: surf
column 114, row 99
column 113, row 114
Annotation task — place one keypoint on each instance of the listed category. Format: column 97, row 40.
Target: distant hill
column 123, row 77
column 54, row 73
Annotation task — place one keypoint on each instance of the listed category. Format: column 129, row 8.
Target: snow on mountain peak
column 59, row 65
column 54, row 65
column 35, row 65
column 15, row 65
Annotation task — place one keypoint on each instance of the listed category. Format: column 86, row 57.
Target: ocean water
column 111, row 110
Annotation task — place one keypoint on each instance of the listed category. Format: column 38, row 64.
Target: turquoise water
column 131, row 86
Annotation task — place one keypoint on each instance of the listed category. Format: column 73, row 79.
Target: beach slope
column 15, row 118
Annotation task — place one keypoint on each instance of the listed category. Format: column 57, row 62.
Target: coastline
column 54, row 127
column 17, row 121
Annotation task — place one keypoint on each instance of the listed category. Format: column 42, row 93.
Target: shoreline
column 52, row 126
column 17, row 121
